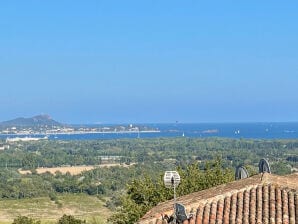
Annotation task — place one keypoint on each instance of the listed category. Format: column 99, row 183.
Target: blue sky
column 149, row 61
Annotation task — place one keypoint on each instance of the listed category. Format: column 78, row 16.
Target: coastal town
column 45, row 130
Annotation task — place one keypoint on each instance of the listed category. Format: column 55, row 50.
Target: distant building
column 263, row 198
column 3, row 147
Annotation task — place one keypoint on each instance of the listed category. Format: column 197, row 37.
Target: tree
column 142, row 194
column 29, row 161
column 145, row 193
column 281, row 168
column 24, row 220
column 69, row 219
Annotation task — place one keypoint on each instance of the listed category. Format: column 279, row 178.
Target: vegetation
column 149, row 158
column 25, row 220
column 84, row 207
column 69, row 219
column 143, row 194
column 65, row 219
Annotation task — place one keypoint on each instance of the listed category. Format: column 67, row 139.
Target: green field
column 80, row 206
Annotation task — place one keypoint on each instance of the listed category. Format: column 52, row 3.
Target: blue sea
column 226, row 130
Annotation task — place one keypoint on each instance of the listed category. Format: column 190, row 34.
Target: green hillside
column 81, row 206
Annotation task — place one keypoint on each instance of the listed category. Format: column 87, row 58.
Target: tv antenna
column 241, row 173
column 264, row 166
column 171, row 180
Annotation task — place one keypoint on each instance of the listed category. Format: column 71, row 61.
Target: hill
column 39, row 120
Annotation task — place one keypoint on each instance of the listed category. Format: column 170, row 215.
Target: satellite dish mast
column 241, row 173
column 171, row 180
column 264, row 166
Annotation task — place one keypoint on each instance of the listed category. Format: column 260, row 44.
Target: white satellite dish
column 264, row 166
column 171, row 179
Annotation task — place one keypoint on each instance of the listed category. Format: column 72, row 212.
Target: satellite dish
column 264, row 166
column 181, row 214
column 171, row 179
column 241, row 173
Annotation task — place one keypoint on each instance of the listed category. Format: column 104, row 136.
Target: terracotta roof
column 264, row 198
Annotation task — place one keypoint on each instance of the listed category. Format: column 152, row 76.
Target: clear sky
column 149, row 61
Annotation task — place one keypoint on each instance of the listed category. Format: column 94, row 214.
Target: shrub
column 69, row 219
column 25, row 220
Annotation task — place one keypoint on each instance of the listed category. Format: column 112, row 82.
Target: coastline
column 228, row 130
column 78, row 133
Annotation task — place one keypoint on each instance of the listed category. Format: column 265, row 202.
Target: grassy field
column 73, row 170
column 81, row 206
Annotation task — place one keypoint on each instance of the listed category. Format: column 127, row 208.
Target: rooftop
column 263, row 198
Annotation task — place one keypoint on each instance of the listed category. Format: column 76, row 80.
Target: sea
column 285, row 130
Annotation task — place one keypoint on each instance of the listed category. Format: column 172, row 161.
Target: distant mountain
column 39, row 120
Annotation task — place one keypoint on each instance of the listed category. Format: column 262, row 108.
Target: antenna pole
column 174, row 186
column 174, row 221
column 172, row 180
